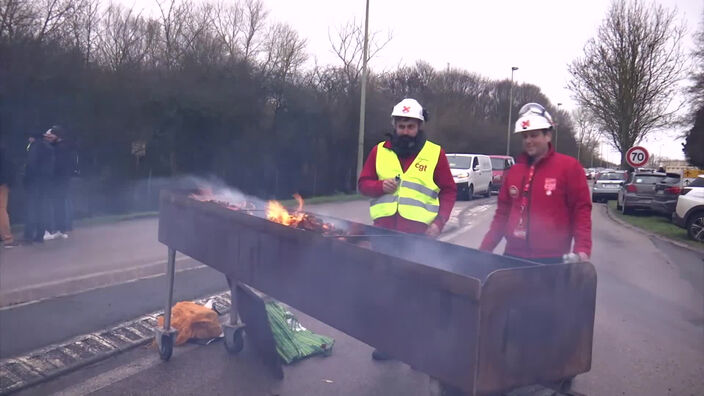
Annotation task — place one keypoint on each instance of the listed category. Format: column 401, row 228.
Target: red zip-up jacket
column 559, row 209
column 370, row 185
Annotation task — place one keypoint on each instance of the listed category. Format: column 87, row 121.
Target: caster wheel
column 166, row 347
column 234, row 339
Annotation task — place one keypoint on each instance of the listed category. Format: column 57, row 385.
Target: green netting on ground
column 293, row 341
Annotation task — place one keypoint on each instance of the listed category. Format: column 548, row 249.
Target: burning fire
column 299, row 219
column 276, row 212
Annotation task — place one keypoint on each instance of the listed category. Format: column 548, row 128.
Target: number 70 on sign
column 637, row 156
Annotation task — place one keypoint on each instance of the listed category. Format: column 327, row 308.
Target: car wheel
column 470, row 192
column 695, row 226
column 488, row 191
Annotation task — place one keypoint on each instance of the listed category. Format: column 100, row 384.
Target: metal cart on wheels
column 489, row 323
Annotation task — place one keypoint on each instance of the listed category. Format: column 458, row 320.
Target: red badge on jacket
column 550, row 185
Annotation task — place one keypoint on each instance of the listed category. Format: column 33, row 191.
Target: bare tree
column 348, row 45
column 629, row 72
column 123, row 38
column 84, row 27
column 228, row 24
column 255, row 16
column 586, row 133
column 16, row 19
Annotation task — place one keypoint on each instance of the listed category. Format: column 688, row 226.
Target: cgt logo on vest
column 421, row 167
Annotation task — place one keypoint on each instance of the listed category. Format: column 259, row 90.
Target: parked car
column 689, row 212
column 607, row 185
column 500, row 164
column 666, row 194
column 472, row 174
column 638, row 191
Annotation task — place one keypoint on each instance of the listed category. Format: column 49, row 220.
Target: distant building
column 675, row 166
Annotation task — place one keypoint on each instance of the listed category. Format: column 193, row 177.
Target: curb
column 651, row 234
column 44, row 364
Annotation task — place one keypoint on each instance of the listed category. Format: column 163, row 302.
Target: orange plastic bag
column 192, row 321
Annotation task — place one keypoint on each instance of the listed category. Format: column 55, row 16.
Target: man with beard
column 408, row 178
column 544, row 204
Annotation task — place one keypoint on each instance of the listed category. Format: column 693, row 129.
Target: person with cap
column 65, row 165
column 544, row 207
column 38, row 174
column 408, row 178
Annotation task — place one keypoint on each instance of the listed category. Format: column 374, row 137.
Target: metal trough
column 479, row 322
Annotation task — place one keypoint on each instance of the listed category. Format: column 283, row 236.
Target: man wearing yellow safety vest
column 408, row 177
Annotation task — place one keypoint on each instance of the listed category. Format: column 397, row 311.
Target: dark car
column 666, row 194
column 638, row 191
column 500, row 164
column 607, row 185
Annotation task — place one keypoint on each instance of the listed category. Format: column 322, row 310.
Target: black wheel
column 166, row 347
column 695, row 226
column 234, row 340
column 488, row 191
column 470, row 192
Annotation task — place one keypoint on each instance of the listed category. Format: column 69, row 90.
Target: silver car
column 607, row 185
column 638, row 191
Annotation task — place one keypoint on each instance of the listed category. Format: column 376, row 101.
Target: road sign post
column 637, row 156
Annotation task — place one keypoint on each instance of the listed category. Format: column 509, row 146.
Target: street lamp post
column 558, row 111
column 510, row 107
column 363, row 95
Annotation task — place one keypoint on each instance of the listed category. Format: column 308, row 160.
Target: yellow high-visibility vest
column 417, row 196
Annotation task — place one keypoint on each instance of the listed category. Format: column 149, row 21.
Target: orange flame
column 276, row 212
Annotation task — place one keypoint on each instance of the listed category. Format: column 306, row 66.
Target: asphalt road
column 649, row 331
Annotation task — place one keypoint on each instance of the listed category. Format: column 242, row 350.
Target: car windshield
column 459, row 162
column 498, row 163
column 611, row 176
column 648, row 179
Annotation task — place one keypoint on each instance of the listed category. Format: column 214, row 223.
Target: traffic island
column 655, row 226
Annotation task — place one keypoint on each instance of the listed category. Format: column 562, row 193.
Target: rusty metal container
column 479, row 322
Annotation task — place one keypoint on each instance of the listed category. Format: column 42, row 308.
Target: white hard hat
column 408, row 108
column 531, row 117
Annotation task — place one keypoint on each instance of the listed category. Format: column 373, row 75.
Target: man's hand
column 433, row 231
column 583, row 257
column 390, row 185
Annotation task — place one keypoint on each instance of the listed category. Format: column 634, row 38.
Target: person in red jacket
column 406, row 142
column 544, row 208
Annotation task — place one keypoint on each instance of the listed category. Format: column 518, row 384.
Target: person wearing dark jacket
column 7, row 177
column 544, row 207
column 64, row 167
column 38, row 174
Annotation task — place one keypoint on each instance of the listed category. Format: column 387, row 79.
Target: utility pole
column 510, row 107
column 558, row 112
column 363, row 96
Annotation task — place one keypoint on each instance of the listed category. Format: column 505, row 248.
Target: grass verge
column 656, row 224
column 325, row 199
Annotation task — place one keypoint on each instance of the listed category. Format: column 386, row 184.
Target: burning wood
column 299, row 219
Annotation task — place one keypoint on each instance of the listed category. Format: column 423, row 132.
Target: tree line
column 219, row 89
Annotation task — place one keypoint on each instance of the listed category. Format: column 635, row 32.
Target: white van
column 472, row 174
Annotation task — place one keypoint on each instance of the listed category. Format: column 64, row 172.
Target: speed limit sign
column 637, row 156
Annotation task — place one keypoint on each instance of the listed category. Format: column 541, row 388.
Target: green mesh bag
column 293, row 341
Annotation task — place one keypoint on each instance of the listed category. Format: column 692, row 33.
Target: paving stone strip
column 21, row 372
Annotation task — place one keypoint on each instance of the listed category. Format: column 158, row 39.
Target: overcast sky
column 540, row 37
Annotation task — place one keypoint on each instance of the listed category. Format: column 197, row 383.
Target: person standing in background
column 38, row 173
column 7, row 177
column 65, row 163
